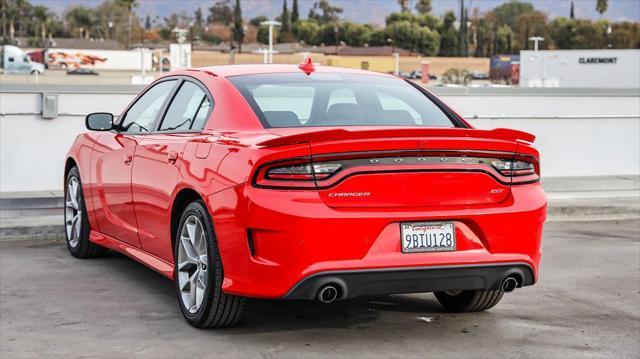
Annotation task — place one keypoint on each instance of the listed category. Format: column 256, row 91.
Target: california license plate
column 428, row 237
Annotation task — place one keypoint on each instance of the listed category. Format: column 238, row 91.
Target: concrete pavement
column 586, row 305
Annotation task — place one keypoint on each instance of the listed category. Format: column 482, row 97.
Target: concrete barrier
column 580, row 132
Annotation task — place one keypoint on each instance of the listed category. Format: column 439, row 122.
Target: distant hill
column 365, row 11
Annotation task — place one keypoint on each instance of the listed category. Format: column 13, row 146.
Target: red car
column 287, row 182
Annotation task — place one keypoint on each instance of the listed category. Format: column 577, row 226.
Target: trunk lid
column 393, row 167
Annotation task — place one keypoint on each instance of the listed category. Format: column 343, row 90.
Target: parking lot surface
column 586, row 304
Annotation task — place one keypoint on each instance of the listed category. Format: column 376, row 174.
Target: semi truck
column 14, row 60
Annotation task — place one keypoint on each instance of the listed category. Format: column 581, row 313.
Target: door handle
column 128, row 158
column 172, row 156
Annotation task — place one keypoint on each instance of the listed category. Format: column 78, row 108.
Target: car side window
column 188, row 110
column 140, row 117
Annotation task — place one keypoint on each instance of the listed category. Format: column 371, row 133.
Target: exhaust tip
column 328, row 294
column 509, row 285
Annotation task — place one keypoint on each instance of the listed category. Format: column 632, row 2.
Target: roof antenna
column 307, row 66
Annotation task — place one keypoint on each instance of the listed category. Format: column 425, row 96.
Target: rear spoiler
column 343, row 134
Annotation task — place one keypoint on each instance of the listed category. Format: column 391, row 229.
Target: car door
column 112, row 163
column 157, row 162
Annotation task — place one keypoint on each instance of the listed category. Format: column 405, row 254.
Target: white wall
column 578, row 134
column 580, row 68
column 33, row 149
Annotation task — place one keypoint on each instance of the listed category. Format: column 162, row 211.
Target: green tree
column 400, row 16
column 129, row 5
column 295, row 12
column 284, row 35
column 323, row 12
column 507, row 13
column 79, row 19
column 456, row 76
column 404, row 5
column 197, row 28
column 221, row 13
column 379, row 37
column 110, row 20
column 463, row 40
column 14, row 12
column 563, row 32
column 41, row 15
column 147, row 23
column 355, row 34
column 329, row 34
column 429, row 20
column 625, row 35
column 602, row 6
column 448, row 35
column 306, row 31
column 256, row 21
column 198, row 18
column 263, row 35
column 572, row 14
column 427, row 41
column 423, row 6
column 482, row 27
column 238, row 30
column 504, row 40
column 530, row 23
column 589, row 34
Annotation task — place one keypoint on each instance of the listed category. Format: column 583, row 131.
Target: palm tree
column 404, row 5
column 129, row 5
column 41, row 14
column 79, row 20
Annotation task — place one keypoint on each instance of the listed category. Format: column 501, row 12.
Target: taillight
column 521, row 170
column 514, row 167
column 300, row 173
column 296, row 174
column 304, row 172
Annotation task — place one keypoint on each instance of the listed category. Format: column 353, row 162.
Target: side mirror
column 99, row 121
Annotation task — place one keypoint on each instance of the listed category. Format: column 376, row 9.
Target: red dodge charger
column 303, row 182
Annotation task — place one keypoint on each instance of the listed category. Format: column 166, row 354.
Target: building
column 580, row 68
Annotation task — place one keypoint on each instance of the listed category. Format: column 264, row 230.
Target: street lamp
column 181, row 37
column 536, row 40
column 271, row 24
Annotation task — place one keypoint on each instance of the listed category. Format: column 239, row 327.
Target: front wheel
column 198, row 273
column 76, row 220
column 469, row 300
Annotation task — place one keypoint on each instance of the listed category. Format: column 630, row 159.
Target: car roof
column 251, row 69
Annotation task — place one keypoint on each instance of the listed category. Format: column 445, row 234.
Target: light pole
column 181, row 37
column 271, row 24
column 536, row 40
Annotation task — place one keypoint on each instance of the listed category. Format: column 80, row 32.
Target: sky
column 366, row 11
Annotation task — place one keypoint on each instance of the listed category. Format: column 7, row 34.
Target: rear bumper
column 412, row 280
column 299, row 244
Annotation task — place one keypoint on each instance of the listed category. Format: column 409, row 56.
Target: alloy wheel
column 192, row 264
column 73, row 212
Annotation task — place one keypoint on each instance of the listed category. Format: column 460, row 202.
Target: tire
column 76, row 220
column 198, row 264
column 469, row 300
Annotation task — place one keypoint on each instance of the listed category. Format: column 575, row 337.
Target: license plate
column 428, row 237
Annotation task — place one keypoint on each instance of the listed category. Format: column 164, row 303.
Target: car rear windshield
column 335, row 99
